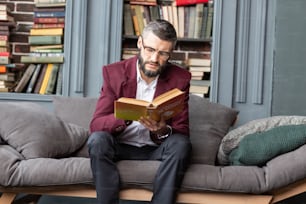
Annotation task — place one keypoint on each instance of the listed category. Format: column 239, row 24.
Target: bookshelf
column 193, row 23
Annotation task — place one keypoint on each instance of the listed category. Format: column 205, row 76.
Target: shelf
column 125, row 37
column 25, row 97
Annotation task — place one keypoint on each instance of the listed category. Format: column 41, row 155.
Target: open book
column 165, row 105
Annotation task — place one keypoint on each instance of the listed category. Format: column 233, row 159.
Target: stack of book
column 46, row 39
column 7, row 23
column 193, row 20
column 200, row 75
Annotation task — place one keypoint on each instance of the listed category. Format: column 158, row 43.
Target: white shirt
column 136, row 134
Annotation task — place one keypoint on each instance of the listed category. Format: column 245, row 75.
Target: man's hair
column 162, row 29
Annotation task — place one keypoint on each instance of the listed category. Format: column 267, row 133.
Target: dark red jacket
column 120, row 81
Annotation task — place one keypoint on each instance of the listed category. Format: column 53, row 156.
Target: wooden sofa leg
column 7, row 198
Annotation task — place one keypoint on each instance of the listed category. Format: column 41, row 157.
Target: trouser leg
column 174, row 154
column 101, row 147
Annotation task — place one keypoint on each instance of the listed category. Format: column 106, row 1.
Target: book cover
column 33, row 79
column 25, row 78
column 166, row 105
column 128, row 21
column 34, row 48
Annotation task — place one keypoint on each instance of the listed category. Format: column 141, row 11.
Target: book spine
column 40, row 78
column 59, row 81
column 25, row 78
column 39, row 14
column 46, row 79
column 45, row 39
column 49, row 25
column 52, row 79
column 33, row 79
column 49, row 20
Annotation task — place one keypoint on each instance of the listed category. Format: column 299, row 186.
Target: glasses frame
column 149, row 51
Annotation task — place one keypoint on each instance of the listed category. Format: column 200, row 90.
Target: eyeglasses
column 149, row 51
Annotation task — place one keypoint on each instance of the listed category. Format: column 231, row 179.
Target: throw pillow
column 232, row 138
column 209, row 123
column 260, row 147
column 35, row 132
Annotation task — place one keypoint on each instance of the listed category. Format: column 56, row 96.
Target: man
column 143, row 77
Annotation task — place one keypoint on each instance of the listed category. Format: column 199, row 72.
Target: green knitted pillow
column 260, row 147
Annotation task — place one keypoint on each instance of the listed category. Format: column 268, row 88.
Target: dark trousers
column 104, row 151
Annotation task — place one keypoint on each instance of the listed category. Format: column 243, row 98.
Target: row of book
column 41, row 79
column 200, row 69
column 7, row 24
column 190, row 21
column 43, row 73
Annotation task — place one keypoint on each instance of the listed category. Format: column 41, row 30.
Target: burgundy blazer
column 120, row 81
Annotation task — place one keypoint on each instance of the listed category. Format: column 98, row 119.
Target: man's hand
column 159, row 131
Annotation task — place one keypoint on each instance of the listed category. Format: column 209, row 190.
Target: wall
column 289, row 74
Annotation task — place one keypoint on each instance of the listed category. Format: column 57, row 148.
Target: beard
column 148, row 73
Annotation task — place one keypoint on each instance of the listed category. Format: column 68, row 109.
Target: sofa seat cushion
column 258, row 148
column 209, row 122
column 35, row 132
column 233, row 137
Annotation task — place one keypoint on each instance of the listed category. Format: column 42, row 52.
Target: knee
column 99, row 142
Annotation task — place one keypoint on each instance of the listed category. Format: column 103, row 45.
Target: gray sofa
column 44, row 152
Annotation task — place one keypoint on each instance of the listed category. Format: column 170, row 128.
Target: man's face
column 154, row 54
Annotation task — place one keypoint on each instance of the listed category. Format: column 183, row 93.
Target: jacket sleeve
column 103, row 118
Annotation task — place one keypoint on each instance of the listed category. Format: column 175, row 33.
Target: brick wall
column 22, row 10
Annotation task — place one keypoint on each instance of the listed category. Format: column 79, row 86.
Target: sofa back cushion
column 35, row 132
column 209, row 122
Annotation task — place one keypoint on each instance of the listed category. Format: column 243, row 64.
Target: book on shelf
column 48, row 25
column 52, row 80
column 42, row 59
column 189, row 2
column 199, row 68
column 144, row 2
column 199, row 86
column 46, row 14
column 40, row 78
column 46, row 78
column 50, row 3
column 210, row 13
column 128, row 21
column 198, row 62
column 46, row 31
column 45, row 39
column 59, row 81
column 34, row 48
column 166, row 105
column 33, row 80
column 4, row 7
column 5, row 59
column 8, row 76
column 25, row 78
column 50, row 20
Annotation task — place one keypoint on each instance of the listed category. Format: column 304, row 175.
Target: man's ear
column 139, row 42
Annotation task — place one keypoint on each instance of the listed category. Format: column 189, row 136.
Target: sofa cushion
column 209, row 123
column 232, row 139
column 258, row 148
column 75, row 110
column 35, row 132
